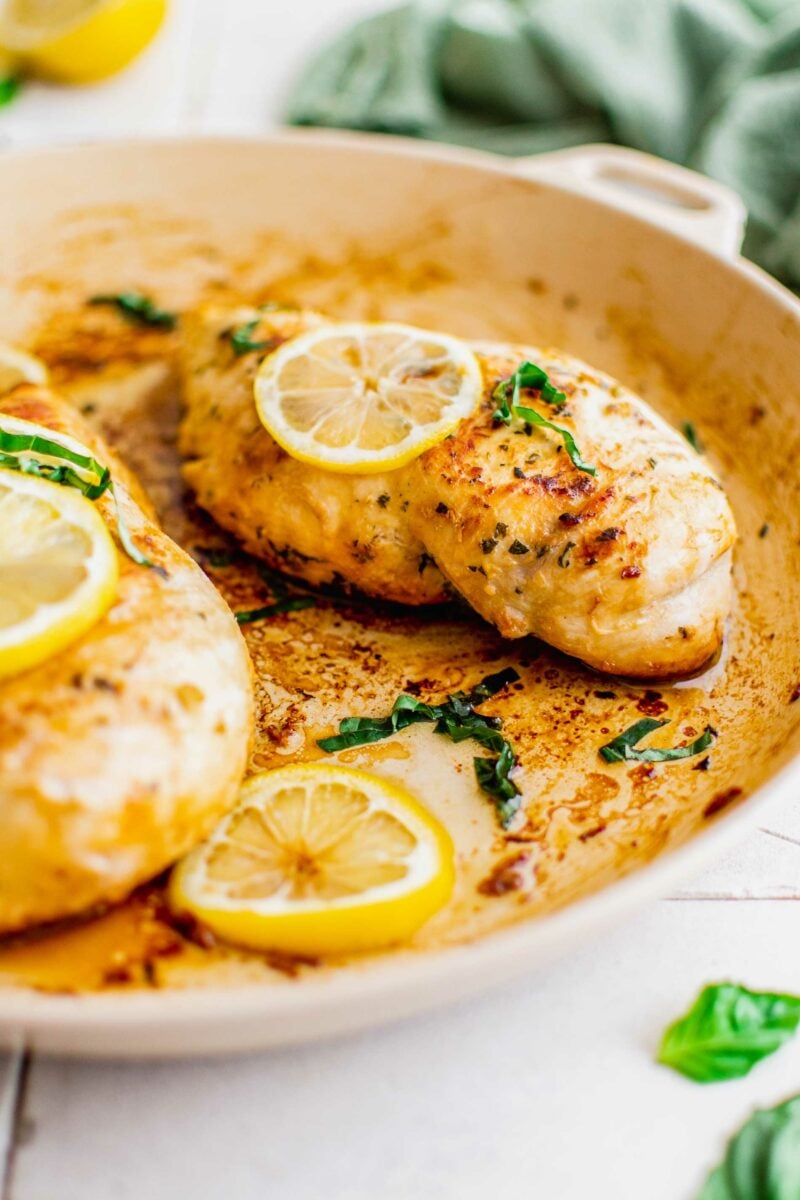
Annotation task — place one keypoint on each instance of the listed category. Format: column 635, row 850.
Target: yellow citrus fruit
column 78, row 41
column 58, row 569
column 318, row 859
column 17, row 367
column 364, row 398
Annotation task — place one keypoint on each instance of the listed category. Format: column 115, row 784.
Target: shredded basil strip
column 455, row 718
column 727, row 1031
column 690, row 433
column 138, row 308
column 624, row 747
column 242, row 340
column 282, row 603
column 528, row 375
column 13, row 445
column 285, row 604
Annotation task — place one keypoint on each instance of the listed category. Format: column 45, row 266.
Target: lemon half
column 318, row 859
column 78, row 41
column 58, row 569
column 364, row 398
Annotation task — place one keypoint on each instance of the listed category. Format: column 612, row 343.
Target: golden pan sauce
column 587, row 824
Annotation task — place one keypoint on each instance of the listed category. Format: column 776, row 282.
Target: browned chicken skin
column 628, row 569
column 121, row 752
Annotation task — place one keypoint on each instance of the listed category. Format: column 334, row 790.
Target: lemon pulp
column 58, row 569
column 363, row 398
column 318, row 859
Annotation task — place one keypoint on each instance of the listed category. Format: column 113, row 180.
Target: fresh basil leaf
column 492, row 775
column 9, row 87
column 91, row 478
column 490, row 685
column 528, row 375
column 455, row 718
column 138, row 308
column 242, row 339
column 623, row 748
column 727, row 1031
column 690, row 433
column 286, row 604
column 570, row 445
column 762, row 1160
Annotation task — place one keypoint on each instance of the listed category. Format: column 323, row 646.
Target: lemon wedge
column 17, row 367
column 78, row 41
column 318, row 859
column 363, row 398
column 58, row 569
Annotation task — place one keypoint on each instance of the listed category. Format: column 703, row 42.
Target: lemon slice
column 58, row 569
column 365, row 398
column 318, row 859
column 17, row 367
column 79, row 41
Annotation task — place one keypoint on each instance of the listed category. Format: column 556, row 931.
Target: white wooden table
column 546, row 1089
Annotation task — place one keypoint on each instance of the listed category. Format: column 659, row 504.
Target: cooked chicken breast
column 627, row 569
column 323, row 527
column 121, row 752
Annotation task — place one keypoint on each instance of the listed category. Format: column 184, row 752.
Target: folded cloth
column 713, row 84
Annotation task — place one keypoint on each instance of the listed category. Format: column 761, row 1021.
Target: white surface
column 545, row 1089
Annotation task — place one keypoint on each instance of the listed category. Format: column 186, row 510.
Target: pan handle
column 683, row 201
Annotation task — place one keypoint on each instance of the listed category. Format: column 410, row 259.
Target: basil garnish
column 690, row 433
column 762, row 1160
column 286, row 604
column 624, row 747
column 455, row 718
column 528, row 375
column 9, row 86
column 138, row 308
column 727, row 1031
column 91, row 478
column 282, row 602
column 242, row 339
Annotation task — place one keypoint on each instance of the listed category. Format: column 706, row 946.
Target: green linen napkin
column 714, row 84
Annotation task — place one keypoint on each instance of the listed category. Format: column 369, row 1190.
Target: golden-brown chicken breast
column 120, row 752
column 627, row 568
column 326, row 528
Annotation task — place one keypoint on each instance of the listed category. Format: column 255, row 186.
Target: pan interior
column 366, row 234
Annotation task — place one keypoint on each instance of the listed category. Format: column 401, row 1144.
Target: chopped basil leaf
column 91, row 478
column 492, row 775
column 242, row 339
column 215, row 557
column 623, row 748
column 762, row 1160
column 690, row 433
column 455, row 718
column 9, row 86
column 139, row 309
column 285, row 604
column 727, row 1031
column 563, row 558
column 528, row 375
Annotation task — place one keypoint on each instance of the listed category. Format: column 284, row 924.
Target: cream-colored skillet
column 616, row 258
